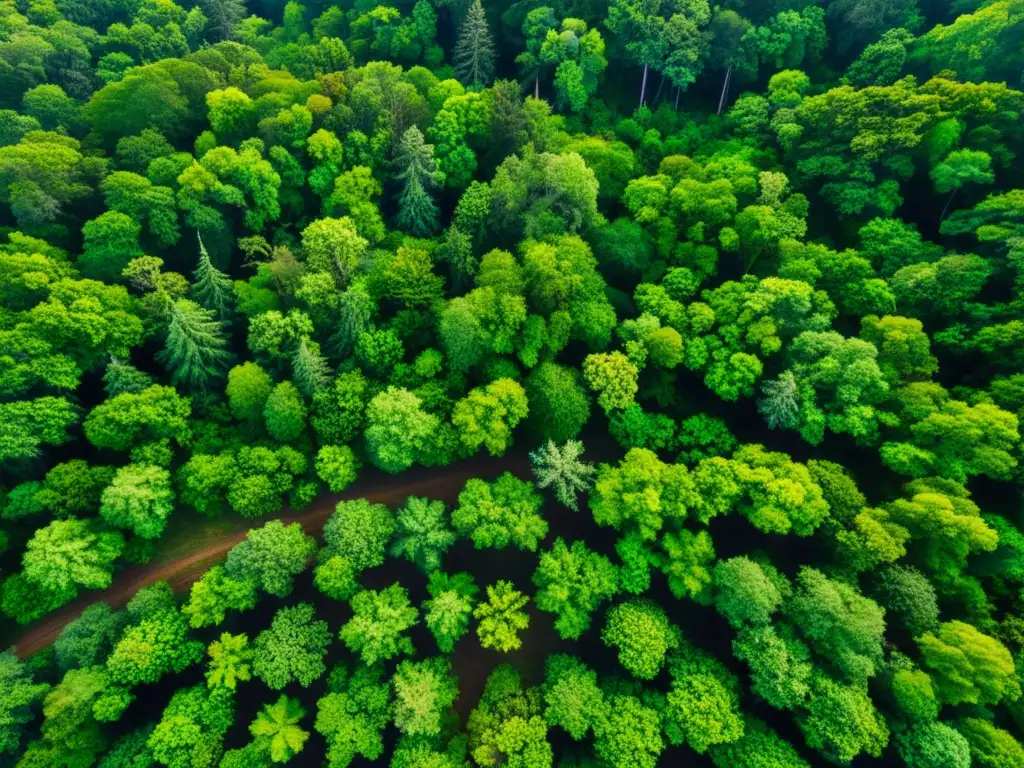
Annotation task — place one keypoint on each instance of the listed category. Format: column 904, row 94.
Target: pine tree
column 123, row 377
column 222, row 17
column 417, row 212
column 474, row 51
column 211, row 288
column 309, row 369
column 194, row 352
column 561, row 468
column 780, row 405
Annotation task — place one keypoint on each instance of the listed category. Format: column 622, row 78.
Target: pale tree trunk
column 946, row 207
column 660, row 86
column 536, row 87
column 643, row 87
column 725, row 88
column 678, row 91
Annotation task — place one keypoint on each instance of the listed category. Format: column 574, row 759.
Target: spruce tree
column 222, row 17
column 121, row 377
column 474, row 51
column 417, row 212
column 309, row 369
column 211, row 288
column 194, row 353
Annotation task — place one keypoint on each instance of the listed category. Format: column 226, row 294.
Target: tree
column 744, row 593
column 702, row 708
column 559, row 405
column 230, row 661
column 962, row 167
column 68, row 554
column 155, row 413
column 988, row 744
column 474, row 51
column 337, row 466
column 223, row 16
column 88, row 640
column 376, row 630
column 424, row 690
column 285, row 412
column 561, row 468
column 20, row 701
column 292, row 649
column 642, row 634
column 499, row 514
column 248, row 388
column 780, row 405
column 487, row 415
column 360, row 531
column 501, row 617
column 276, row 729
column 139, row 499
column 309, row 368
column 574, row 701
column 507, row 726
column 194, row 352
column 353, row 714
column 613, row 377
column 191, row 730
column 398, row 430
column 211, row 288
column 758, row 747
column 631, row 735
column 158, row 645
column 933, row 744
column 841, row 722
column 908, row 596
column 968, row 666
column 422, row 536
column 271, row 556
column 641, row 494
column 449, row 608
column 417, row 212
column 572, row 582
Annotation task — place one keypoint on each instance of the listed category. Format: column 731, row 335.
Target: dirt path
column 180, row 573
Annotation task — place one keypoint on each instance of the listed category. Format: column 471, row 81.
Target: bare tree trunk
column 643, row 87
column 660, row 86
column 725, row 88
column 678, row 91
column 536, row 87
column 946, row 207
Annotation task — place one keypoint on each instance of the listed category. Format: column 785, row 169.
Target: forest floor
column 189, row 551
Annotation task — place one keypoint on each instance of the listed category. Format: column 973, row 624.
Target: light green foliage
column 248, row 388
column 487, row 416
column 507, row 726
column 500, row 514
column 337, row 466
column 140, row 499
column 422, row 534
column 68, row 554
column 377, row 629
column 448, row 611
column 353, row 714
column 758, row 747
column 191, row 730
column 642, row 634
column 398, row 430
column 360, row 531
column 155, row 413
column 613, row 377
column 292, row 649
column 631, row 735
column 967, row 665
column 702, row 708
column 502, row 617
column 230, row 661
column 842, row 722
column 685, row 558
column 641, row 494
column 572, row 582
column 989, row 745
column 276, row 729
column 574, row 701
column 20, row 700
column 743, row 593
column 933, row 744
column 271, row 556
column 285, row 413
column 424, row 690
column 779, row 662
column 560, row 467
column 158, row 645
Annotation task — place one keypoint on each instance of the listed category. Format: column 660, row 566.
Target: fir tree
column 211, row 288
column 222, row 17
column 561, row 468
column 417, row 212
column 355, row 315
column 780, row 405
column 474, row 51
column 194, row 352
column 123, row 377
column 309, row 369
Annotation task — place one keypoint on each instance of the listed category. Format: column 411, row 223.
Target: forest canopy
column 539, row 383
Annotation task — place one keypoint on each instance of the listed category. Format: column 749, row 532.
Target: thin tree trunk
column 643, row 87
column 725, row 87
column 678, row 91
column 536, row 87
column 660, row 86
column 946, row 207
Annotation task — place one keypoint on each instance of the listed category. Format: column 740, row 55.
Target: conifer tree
column 474, row 51
column 222, row 17
column 123, row 377
column 211, row 288
column 417, row 212
column 194, row 353
column 309, row 369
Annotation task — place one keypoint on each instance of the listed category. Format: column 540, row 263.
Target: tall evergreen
column 417, row 212
column 194, row 353
column 211, row 288
column 474, row 51
column 222, row 17
column 310, row 371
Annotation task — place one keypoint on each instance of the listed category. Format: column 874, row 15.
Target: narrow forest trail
column 444, row 484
